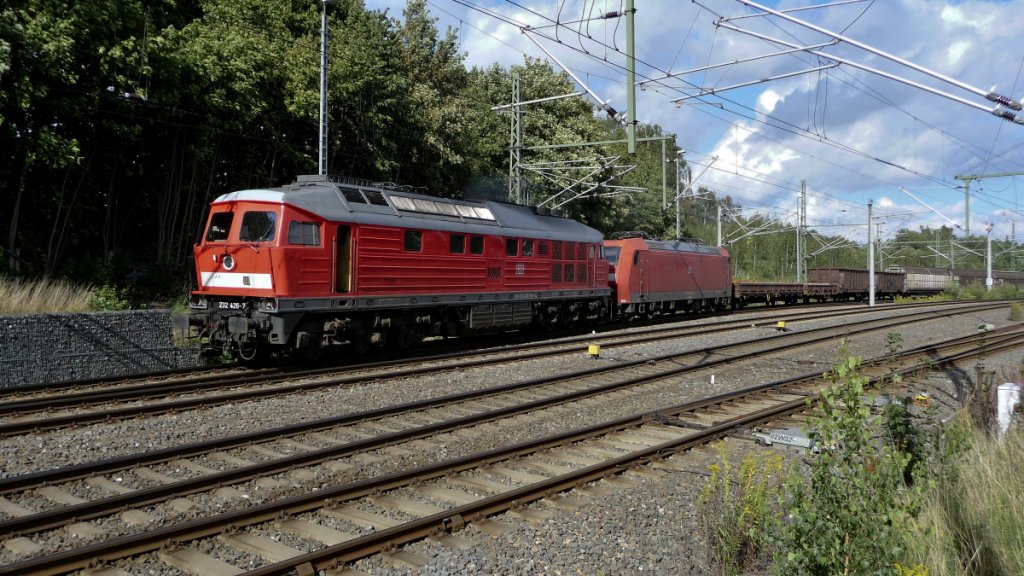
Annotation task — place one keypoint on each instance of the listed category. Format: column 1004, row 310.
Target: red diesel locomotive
column 322, row 261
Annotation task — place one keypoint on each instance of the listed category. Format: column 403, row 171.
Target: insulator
column 1004, row 101
column 1005, row 115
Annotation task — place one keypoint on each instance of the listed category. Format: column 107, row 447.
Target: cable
column 796, row 130
column 829, row 141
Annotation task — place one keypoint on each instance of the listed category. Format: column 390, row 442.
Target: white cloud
column 956, row 51
column 767, row 100
column 955, row 16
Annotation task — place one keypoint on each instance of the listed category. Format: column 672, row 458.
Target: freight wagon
column 854, row 284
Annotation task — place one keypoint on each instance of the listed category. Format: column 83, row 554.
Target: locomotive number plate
column 229, row 305
column 520, row 269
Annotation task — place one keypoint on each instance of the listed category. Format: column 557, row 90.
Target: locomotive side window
column 512, row 246
column 457, row 244
column 476, row 245
column 611, row 254
column 303, row 233
column 220, row 225
column 527, row 247
column 258, row 227
column 413, row 241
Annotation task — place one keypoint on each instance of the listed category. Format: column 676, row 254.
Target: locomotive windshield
column 258, row 227
column 220, row 225
column 611, row 254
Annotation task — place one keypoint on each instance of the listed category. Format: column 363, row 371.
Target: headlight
column 227, row 262
column 198, row 302
column 269, row 305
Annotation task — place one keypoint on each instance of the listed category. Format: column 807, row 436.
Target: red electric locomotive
column 652, row 277
column 324, row 261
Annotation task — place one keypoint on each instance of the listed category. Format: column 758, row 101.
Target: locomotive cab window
column 512, row 246
column 220, row 225
column 611, row 254
column 413, row 241
column 457, row 244
column 476, row 245
column 258, row 227
column 303, row 233
column 527, row 247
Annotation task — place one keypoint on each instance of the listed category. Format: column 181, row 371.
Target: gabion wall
column 45, row 348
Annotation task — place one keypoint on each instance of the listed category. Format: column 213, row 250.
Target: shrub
column 848, row 517
column 1016, row 312
column 108, row 297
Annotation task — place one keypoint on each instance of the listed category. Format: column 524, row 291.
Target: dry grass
column 974, row 524
column 20, row 296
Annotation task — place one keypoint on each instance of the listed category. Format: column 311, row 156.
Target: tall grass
column 20, row 296
column 972, row 523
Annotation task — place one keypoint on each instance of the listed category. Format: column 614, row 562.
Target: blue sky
column 852, row 135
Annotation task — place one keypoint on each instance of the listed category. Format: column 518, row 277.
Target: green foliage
column 735, row 510
column 849, row 517
column 970, row 524
column 905, row 436
column 108, row 298
column 1016, row 312
column 893, row 344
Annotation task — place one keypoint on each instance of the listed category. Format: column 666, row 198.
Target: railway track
column 26, row 399
column 75, row 408
column 326, row 528
column 229, row 461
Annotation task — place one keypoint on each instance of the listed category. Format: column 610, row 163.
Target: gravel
column 647, row 529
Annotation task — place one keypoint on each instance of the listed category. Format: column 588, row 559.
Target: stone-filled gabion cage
column 45, row 348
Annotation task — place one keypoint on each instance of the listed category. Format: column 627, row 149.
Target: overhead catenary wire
column 794, row 129
column 769, row 121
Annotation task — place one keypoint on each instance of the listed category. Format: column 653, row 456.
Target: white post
column 679, row 171
column 719, row 206
column 871, row 262
column 988, row 260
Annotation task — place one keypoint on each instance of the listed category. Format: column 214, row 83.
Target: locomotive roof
column 670, row 245
column 680, row 246
column 365, row 205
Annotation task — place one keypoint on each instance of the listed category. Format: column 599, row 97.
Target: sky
column 852, row 135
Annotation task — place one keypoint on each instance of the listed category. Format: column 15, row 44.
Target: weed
column 22, row 296
column 735, row 510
